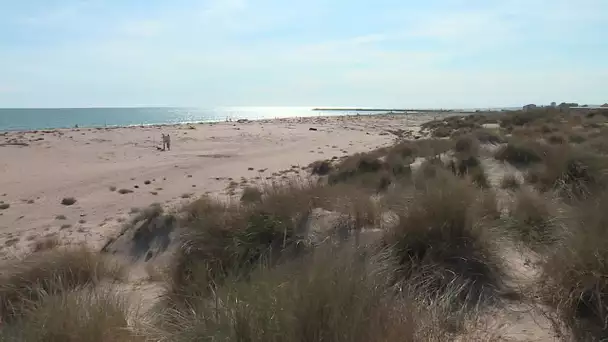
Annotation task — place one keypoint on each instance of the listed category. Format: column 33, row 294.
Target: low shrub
column 520, row 153
column 488, row 136
column 467, row 145
column 571, row 171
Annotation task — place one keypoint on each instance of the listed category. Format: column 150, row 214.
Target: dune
column 205, row 159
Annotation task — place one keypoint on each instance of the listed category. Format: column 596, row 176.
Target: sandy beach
column 92, row 165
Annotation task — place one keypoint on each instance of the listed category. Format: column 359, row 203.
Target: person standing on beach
column 166, row 142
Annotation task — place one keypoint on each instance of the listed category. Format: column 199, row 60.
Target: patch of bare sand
column 93, row 165
column 522, row 318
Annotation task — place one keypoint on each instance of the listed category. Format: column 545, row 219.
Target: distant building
column 605, row 105
column 553, row 104
column 568, row 105
column 529, row 107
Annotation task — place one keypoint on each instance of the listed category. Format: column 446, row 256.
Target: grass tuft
column 575, row 273
column 85, row 315
column 24, row 282
column 467, row 144
column 532, row 219
column 571, row 171
column 488, row 136
column 321, row 167
column 439, row 246
column 327, row 296
column 45, row 244
column 509, row 182
column 251, row 194
column 520, row 153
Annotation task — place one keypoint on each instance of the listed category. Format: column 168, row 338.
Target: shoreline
column 199, row 122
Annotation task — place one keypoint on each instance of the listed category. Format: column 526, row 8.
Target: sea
column 24, row 119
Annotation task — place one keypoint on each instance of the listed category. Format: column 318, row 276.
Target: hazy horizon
column 255, row 53
column 261, row 107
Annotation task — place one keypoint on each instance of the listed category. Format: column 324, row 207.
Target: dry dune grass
column 510, row 182
column 39, row 300
column 50, row 272
column 534, row 219
column 379, row 169
column 521, row 153
column 575, row 272
column 330, row 295
column 441, row 248
column 221, row 238
column 571, row 171
column 85, row 315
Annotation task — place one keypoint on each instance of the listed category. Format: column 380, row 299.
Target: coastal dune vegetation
column 431, row 239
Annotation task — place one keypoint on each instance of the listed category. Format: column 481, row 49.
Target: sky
column 381, row 53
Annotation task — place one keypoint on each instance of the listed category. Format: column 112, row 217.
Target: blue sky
column 401, row 53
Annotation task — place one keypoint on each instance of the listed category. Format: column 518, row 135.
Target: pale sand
column 84, row 163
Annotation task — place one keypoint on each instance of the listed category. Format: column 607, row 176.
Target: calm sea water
column 30, row 119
